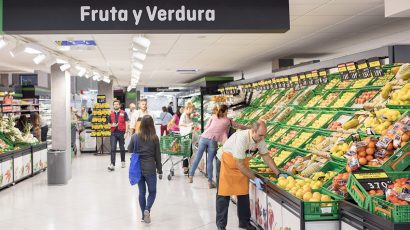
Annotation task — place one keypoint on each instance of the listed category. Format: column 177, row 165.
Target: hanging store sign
column 145, row 16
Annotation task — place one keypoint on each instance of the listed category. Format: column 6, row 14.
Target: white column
column 60, row 112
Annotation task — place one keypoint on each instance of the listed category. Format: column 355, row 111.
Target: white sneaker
column 147, row 217
column 111, row 167
column 123, row 164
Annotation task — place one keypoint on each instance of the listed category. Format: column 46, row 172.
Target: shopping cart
column 175, row 145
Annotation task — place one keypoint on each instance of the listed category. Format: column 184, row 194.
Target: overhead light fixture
column 61, row 61
column 64, row 48
column 106, row 80
column 129, row 88
column 39, row 58
column 139, row 56
column 87, row 75
column 65, row 67
column 81, row 71
column 3, row 43
column 19, row 48
column 138, row 65
column 141, row 43
column 31, row 50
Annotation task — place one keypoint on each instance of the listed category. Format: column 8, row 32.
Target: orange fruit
column 362, row 154
column 370, row 151
column 390, row 146
column 362, row 161
column 360, row 149
column 403, row 143
column 345, row 176
column 369, row 157
column 372, row 192
column 371, row 144
column 405, row 137
column 379, row 192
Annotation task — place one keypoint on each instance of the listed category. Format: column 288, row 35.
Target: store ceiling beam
column 397, row 8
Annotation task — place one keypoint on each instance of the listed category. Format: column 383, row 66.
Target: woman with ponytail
column 216, row 131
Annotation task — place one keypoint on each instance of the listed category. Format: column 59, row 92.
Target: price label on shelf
column 351, row 69
column 309, row 79
column 344, row 74
column 373, row 179
column 363, row 69
column 375, row 67
column 101, row 99
column 323, row 76
column 315, row 77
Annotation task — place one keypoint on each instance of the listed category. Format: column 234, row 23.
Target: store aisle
column 96, row 199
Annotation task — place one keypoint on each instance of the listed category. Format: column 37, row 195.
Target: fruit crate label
column 309, row 79
column 363, row 69
column 326, row 210
column 375, row 67
column 351, row 69
column 303, row 80
column 373, row 179
column 323, row 76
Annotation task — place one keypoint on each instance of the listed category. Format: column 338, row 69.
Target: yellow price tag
column 294, row 79
column 362, row 66
column 322, row 73
column 315, row 74
column 309, row 75
column 371, row 175
column 302, row 76
column 374, row 63
column 342, row 69
column 351, row 67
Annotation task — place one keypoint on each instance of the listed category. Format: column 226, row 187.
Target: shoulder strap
column 136, row 143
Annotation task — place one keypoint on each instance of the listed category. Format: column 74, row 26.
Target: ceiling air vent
column 187, row 71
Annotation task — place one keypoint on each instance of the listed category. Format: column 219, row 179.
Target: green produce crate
column 294, row 113
column 316, row 114
column 377, row 83
column 360, row 106
column 276, row 130
column 183, row 143
column 285, row 159
column 303, row 144
column 399, row 161
column 322, row 210
column 325, row 96
column 319, row 117
column 349, row 83
column 369, row 80
column 326, row 87
column 359, row 194
column 309, row 97
column 348, row 103
column 337, row 116
column 280, row 139
column 293, row 155
column 392, row 212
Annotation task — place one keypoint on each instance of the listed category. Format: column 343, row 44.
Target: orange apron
column 232, row 182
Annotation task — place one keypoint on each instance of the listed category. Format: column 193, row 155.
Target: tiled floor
column 96, row 199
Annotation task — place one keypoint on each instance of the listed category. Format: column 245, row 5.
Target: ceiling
column 320, row 29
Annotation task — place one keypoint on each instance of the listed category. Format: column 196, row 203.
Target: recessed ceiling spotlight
column 61, row 61
column 31, row 50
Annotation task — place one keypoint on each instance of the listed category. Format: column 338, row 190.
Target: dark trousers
column 115, row 138
column 222, row 206
column 44, row 131
column 149, row 181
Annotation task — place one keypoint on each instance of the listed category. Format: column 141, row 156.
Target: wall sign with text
column 146, row 16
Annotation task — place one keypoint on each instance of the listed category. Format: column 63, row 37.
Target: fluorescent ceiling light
column 30, row 50
column 81, row 71
column 141, row 43
column 106, row 80
column 60, row 61
column 39, row 58
column 139, row 55
column 87, row 75
column 3, row 43
column 138, row 65
column 65, row 67
column 135, row 72
column 64, row 48
column 19, row 48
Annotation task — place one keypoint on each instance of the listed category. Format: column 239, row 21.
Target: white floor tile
column 96, row 199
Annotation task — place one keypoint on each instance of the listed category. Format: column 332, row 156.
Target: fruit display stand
column 335, row 120
column 39, row 158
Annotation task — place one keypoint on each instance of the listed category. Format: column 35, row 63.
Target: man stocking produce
column 234, row 172
column 138, row 115
column 118, row 121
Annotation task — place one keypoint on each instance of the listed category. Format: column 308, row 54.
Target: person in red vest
column 118, row 121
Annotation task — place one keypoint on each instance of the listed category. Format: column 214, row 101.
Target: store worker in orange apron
column 233, row 172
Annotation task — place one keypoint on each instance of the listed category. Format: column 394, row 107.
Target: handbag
column 231, row 130
column 135, row 165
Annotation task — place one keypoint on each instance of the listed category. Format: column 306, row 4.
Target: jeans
column 151, row 182
column 117, row 137
column 222, row 206
column 211, row 145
